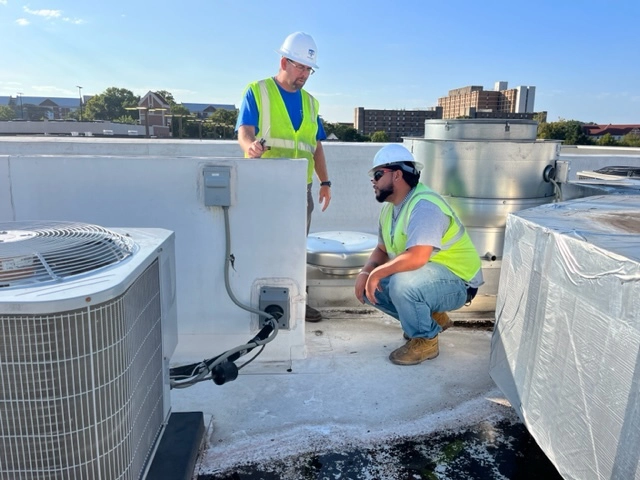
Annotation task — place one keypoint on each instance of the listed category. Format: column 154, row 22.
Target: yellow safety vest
column 276, row 127
column 457, row 252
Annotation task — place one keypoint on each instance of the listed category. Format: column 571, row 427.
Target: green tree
column 110, row 104
column 168, row 96
column 74, row 115
column 179, row 117
column 222, row 123
column 345, row 133
column 607, row 140
column 179, row 109
column 630, row 140
column 176, row 108
column 35, row 112
column 7, row 113
column 125, row 119
column 351, row 135
column 570, row 131
column 380, row 136
column 540, row 117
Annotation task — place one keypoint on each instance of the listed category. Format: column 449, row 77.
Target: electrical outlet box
column 275, row 301
column 217, row 186
column 562, row 171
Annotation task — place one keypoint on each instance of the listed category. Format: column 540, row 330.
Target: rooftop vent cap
column 340, row 253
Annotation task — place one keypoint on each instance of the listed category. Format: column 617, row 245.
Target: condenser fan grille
column 36, row 252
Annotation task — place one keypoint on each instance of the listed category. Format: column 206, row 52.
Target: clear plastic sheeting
column 566, row 344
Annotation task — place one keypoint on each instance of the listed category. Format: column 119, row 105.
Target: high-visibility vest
column 457, row 252
column 276, row 127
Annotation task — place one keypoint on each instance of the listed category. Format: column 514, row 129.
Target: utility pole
column 21, row 110
column 80, row 96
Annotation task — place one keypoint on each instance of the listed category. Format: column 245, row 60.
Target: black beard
column 383, row 193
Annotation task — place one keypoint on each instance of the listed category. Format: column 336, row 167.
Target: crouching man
column 424, row 264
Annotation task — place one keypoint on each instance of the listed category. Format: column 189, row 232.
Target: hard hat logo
column 311, row 55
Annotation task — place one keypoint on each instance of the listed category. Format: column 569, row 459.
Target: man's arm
column 321, row 171
column 247, row 140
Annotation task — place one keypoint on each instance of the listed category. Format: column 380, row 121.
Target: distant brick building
column 596, row 132
column 395, row 123
column 501, row 102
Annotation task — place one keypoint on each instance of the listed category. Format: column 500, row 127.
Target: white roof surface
column 345, row 392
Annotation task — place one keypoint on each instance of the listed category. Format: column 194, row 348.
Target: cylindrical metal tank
column 486, row 169
column 481, row 129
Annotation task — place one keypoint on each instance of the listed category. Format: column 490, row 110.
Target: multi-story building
column 467, row 102
column 395, row 123
column 502, row 102
column 38, row 108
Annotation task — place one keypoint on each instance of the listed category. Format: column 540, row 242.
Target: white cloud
column 51, row 15
column 3, row 2
column 43, row 13
column 23, row 22
column 75, row 21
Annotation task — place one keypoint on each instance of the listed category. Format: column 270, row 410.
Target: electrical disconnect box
column 275, row 301
column 562, row 171
column 217, row 186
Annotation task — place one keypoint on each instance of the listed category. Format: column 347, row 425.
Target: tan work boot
column 415, row 351
column 441, row 318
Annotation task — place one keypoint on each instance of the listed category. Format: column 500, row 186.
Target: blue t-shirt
column 249, row 113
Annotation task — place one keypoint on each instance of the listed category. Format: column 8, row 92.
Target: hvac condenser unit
column 87, row 328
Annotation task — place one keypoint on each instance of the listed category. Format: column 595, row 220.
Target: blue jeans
column 411, row 297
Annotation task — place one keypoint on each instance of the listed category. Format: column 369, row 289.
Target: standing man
column 424, row 264
column 286, row 119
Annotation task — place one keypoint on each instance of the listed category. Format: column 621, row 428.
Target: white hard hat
column 300, row 48
column 394, row 153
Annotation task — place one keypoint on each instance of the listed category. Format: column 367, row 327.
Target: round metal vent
column 340, row 253
column 37, row 252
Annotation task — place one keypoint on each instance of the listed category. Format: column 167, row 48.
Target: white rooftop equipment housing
column 87, row 327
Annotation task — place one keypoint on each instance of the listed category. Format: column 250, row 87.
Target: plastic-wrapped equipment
column 566, row 345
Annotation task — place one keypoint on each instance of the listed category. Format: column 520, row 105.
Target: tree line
column 120, row 105
column 572, row 133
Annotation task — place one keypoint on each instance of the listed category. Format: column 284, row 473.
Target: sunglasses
column 378, row 174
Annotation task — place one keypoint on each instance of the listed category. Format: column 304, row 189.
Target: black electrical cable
column 188, row 375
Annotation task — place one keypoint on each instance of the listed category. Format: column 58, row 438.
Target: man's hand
column 361, row 282
column 324, row 197
column 378, row 257
column 252, row 147
column 256, row 149
column 373, row 284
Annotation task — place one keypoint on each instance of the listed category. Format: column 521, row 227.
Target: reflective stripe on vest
column 276, row 127
column 457, row 252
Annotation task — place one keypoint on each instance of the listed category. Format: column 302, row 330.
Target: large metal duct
column 486, row 169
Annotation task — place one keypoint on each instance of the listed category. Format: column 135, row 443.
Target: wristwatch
column 325, row 184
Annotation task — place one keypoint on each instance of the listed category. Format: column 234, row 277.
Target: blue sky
column 582, row 57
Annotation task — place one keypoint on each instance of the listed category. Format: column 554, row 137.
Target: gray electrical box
column 217, row 186
column 562, row 171
column 275, row 301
